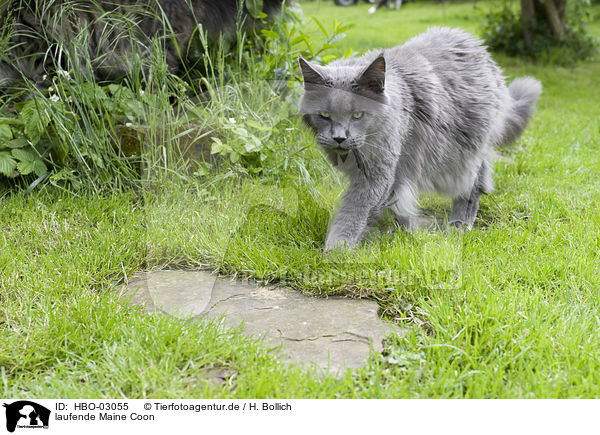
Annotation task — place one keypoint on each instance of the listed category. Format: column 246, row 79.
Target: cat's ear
column 310, row 74
column 373, row 78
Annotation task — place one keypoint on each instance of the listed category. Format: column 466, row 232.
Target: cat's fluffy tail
column 524, row 93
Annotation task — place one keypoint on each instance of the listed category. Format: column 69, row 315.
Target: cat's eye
column 324, row 115
column 357, row 115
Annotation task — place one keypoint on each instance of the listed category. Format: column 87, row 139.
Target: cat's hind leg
column 375, row 214
column 465, row 207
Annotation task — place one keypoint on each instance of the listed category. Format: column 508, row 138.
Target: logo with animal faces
column 25, row 414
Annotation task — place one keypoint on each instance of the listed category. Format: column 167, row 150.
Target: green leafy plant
column 281, row 43
column 251, row 137
column 69, row 128
column 16, row 157
column 253, row 89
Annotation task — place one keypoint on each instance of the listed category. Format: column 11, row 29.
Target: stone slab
column 332, row 333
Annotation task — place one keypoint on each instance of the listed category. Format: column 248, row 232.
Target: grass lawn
column 508, row 310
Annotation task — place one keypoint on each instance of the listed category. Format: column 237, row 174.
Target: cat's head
column 344, row 103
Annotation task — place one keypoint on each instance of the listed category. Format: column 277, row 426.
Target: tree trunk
column 555, row 9
column 528, row 21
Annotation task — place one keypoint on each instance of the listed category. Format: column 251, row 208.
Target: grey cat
column 423, row 116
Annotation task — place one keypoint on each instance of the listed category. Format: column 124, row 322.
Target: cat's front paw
column 339, row 243
column 459, row 225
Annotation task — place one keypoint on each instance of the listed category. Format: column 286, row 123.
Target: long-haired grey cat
column 421, row 116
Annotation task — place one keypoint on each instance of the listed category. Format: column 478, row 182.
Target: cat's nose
column 339, row 139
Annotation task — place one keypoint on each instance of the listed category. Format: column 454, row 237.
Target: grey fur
column 432, row 111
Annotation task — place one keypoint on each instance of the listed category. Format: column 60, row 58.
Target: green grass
column 508, row 310
column 388, row 28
